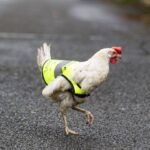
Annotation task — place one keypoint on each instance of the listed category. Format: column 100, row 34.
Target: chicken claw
column 88, row 114
column 89, row 117
column 69, row 131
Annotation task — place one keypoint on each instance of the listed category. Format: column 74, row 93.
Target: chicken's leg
column 67, row 130
column 88, row 114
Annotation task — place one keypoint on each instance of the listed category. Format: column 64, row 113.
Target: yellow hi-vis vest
column 53, row 68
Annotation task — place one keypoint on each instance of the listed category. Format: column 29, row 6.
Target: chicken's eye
column 114, row 52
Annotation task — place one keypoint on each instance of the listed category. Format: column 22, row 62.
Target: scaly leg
column 88, row 114
column 67, row 130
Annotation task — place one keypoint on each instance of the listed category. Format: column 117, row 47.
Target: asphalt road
column 76, row 29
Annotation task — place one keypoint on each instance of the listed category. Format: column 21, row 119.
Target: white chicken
column 70, row 82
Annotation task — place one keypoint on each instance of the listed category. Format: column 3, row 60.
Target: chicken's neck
column 96, row 73
column 99, row 62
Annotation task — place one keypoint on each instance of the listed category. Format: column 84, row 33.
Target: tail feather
column 46, row 49
column 43, row 54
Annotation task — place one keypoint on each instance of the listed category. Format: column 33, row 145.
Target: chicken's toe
column 69, row 131
column 89, row 118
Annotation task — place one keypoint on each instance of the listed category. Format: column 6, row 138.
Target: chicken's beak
column 119, row 56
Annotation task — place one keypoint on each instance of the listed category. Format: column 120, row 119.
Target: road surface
column 76, row 29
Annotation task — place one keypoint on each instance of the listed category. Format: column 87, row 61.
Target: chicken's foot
column 88, row 114
column 67, row 130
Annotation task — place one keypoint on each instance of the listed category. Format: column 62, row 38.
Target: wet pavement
column 76, row 29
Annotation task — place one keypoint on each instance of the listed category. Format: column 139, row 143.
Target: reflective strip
column 58, row 69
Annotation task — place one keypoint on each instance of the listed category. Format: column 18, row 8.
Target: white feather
column 43, row 55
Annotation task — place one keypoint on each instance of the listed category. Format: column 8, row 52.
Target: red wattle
column 113, row 60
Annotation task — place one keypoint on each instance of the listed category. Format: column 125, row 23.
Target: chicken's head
column 115, row 54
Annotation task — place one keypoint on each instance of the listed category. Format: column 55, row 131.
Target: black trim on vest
column 82, row 96
column 42, row 71
column 72, row 91
column 72, row 88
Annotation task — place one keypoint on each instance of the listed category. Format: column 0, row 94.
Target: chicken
column 70, row 82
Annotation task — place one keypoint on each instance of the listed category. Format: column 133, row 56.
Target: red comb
column 118, row 49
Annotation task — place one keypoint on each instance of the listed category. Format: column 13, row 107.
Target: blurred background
column 50, row 16
column 76, row 29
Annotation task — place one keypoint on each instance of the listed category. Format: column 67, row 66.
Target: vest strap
column 72, row 89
